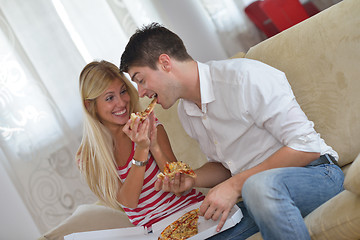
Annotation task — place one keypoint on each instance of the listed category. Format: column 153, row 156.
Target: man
column 259, row 143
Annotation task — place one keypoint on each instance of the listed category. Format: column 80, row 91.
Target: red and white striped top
column 155, row 205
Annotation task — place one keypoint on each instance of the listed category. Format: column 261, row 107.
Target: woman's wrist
column 155, row 149
column 141, row 154
column 139, row 163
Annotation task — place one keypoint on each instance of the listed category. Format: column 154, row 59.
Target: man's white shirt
column 248, row 113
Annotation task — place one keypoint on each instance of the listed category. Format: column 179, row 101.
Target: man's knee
column 255, row 186
column 261, row 191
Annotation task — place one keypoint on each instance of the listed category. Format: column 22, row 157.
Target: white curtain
column 43, row 47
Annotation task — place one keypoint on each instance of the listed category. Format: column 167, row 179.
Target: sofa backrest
column 321, row 59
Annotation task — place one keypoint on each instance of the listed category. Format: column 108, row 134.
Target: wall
column 183, row 17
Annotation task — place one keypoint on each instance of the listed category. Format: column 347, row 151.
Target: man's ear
column 165, row 62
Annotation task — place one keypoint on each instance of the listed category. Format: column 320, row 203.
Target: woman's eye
column 123, row 91
column 141, row 81
column 109, row 98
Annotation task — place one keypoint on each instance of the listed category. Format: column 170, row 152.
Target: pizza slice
column 172, row 168
column 184, row 227
column 143, row 115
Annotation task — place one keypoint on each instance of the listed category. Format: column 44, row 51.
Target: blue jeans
column 277, row 200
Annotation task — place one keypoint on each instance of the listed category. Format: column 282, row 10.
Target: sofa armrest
column 88, row 217
column 338, row 218
column 352, row 178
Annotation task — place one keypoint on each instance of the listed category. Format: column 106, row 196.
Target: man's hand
column 178, row 185
column 219, row 202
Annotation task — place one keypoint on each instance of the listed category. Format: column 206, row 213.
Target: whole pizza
column 184, row 227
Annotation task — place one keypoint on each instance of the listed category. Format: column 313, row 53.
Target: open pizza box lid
column 206, row 228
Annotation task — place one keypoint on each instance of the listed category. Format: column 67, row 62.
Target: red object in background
column 310, row 8
column 260, row 19
column 284, row 13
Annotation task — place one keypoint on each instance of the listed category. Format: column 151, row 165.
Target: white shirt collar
column 206, row 87
column 206, row 91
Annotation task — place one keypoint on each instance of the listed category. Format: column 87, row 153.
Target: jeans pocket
column 336, row 175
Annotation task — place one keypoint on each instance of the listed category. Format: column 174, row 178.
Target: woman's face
column 113, row 106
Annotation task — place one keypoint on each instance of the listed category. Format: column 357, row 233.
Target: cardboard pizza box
column 207, row 228
column 131, row 233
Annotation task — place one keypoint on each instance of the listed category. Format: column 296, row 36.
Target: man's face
column 152, row 83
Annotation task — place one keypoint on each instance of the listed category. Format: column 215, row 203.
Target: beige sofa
column 321, row 58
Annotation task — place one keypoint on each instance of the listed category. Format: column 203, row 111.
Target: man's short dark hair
column 148, row 43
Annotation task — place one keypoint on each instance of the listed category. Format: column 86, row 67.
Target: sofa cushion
column 89, row 217
column 352, row 178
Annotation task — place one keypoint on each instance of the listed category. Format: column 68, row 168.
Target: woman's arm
column 160, row 146
column 129, row 192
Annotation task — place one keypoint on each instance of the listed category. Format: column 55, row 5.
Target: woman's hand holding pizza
column 177, row 177
column 153, row 132
column 138, row 133
column 178, row 185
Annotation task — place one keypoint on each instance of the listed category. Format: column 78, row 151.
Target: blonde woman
column 121, row 164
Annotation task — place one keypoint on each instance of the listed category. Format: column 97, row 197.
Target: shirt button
column 204, row 117
column 216, row 142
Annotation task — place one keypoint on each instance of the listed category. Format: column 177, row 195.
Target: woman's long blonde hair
column 96, row 152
